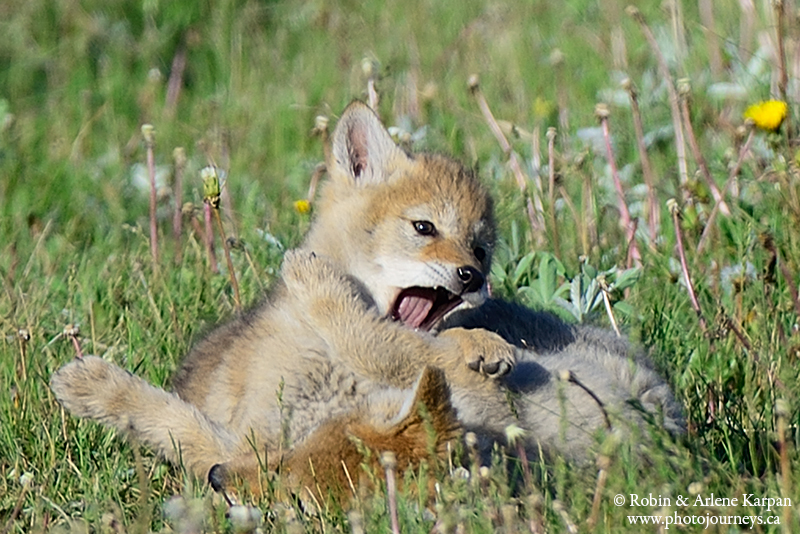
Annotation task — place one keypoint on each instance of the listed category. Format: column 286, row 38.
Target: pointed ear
column 362, row 149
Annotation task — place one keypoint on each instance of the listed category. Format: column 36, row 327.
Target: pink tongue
column 413, row 310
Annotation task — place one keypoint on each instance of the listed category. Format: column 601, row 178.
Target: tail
column 92, row 388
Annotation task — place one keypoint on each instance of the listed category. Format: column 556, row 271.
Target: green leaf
column 547, row 277
column 499, row 274
column 530, row 297
column 627, row 278
column 523, row 267
column 569, row 306
column 624, row 309
column 514, row 239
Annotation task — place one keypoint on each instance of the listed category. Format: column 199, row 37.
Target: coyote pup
column 384, row 307
column 398, row 243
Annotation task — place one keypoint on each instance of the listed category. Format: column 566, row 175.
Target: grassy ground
column 77, row 81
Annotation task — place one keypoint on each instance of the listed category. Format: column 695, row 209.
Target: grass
column 77, row 81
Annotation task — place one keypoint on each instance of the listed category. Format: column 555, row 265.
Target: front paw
column 303, row 269
column 483, row 351
column 323, row 290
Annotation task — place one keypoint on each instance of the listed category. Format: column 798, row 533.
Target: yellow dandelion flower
column 541, row 108
column 767, row 115
column 302, row 206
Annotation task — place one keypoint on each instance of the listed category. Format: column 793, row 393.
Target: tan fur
column 322, row 361
column 329, row 462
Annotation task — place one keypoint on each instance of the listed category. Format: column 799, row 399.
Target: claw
column 491, row 368
column 505, row 368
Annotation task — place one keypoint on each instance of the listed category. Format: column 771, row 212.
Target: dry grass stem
column 211, row 199
column 71, row 331
column 559, row 508
column 731, row 324
column 610, row 312
column 603, row 463
column 148, row 132
column 783, row 73
column 208, row 234
column 731, row 179
column 653, row 211
column 535, row 215
column 18, row 506
column 684, row 90
column 747, row 21
column 672, row 205
column 179, row 159
column 175, row 82
column 706, row 8
column 237, row 300
column 551, row 188
column 602, row 113
column 769, row 244
column 783, row 412
column 389, row 463
column 663, row 68
column 23, row 336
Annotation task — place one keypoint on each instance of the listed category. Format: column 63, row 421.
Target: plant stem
column 149, row 139
column 663, row 68
column 389, row 462
column 603, row 463
column 535, row 216
column 601, row 111
column 237, row 301
column 719, row 200
column 551, row 188
column 783, row 75
column 731, row 177
column 209, row 238
column 654, row 213
column 179, row 158
column 673, row 208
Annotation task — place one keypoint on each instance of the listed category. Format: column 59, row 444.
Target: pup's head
column 416, row 231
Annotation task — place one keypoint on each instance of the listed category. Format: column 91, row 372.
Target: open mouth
column 423, row 307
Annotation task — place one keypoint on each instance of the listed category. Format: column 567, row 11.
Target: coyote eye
column 480, row 253
column 424, row 228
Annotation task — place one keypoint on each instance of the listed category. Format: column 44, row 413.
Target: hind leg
column 92, row 388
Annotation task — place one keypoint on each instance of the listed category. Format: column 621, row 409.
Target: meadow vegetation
column 239, row 84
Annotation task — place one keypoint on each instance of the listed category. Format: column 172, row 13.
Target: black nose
column 471, row 278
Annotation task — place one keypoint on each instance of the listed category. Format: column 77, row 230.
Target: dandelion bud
column 556, row 57
column 627, row 85
column 473, row 82
column 179, row 156
column 320, row 124
column 684, row 87
column 211, row 190
column 148, row 132
column 601, row 111
column 388, row 460
column 672, row 206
